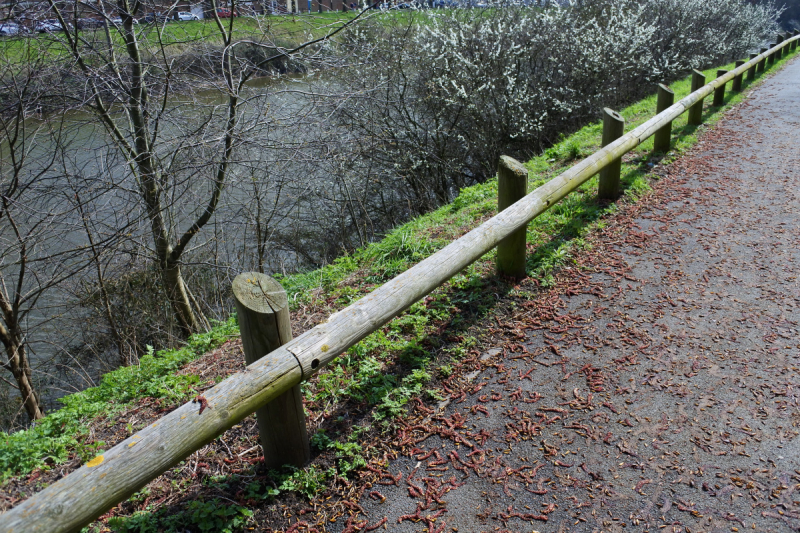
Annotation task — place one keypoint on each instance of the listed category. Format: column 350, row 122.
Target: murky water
column 74, row 161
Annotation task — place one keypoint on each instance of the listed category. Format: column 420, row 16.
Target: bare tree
column 180, row 147
column 35, row 256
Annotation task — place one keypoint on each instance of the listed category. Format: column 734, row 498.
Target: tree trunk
column 21, row 369
column 12, row 336
column 179, row 299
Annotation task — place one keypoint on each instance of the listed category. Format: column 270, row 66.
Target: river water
column 79, row 185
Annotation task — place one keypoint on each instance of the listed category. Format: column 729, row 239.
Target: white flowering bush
column 432, row 105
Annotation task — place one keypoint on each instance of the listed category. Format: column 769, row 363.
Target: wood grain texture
column 695, row 116
column 663, row 137
column 736, row 85
column 751, row 72
column 608, row 187
column 719, row 92
column 114, row 475
column 87, row 493
column 262, row 310
column 512, row 186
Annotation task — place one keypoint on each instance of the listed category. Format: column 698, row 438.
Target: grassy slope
column 392, row 366
column 285, row 31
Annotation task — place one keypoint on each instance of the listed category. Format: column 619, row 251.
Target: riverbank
column 367, row 389
column 289, row 31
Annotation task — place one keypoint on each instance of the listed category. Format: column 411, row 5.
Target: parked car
column 155, row 17
column 86, row 24
column 186, row 15
column 226, row 13
column 48, row 26
column 117, row 21
column 11, row 28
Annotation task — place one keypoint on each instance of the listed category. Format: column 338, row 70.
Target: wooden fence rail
column 110, row 478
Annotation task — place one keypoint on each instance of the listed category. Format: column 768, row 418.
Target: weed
column 214, row 515
column 389, row 367
column 306, row 481
column 53, row 438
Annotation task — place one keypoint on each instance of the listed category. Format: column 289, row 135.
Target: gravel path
column 656, row 387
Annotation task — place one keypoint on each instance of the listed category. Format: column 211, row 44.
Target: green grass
column 215, row 516
column 288, row 31
column 61, row 434
column 389, row 368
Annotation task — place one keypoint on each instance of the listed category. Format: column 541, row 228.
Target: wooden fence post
column 771, row 57
column 613, row 127
column 763, row 63
column 695, row 114
column 719, row 92
column 263, row 313
column 512, row 185
column 736, row 86
column 751, row 72
column 663, row 137
column 77, row 499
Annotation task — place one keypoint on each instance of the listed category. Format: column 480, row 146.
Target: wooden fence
column 82, row 496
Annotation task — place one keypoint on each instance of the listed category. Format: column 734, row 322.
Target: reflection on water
column 81, row 212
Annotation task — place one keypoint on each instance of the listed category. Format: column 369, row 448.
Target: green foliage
column 306, row 481
column 53, row 438
column 483, row 196
column 287, row 32
column 320, row 440
column 309, row 481
column 567, row 149
column 217, row 516
column 361, row 373
column 213, row 516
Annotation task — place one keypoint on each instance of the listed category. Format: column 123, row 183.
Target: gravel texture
column 655, row 387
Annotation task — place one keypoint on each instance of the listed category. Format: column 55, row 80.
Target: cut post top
column 513, row 165
column 613, row 114
column 259, row 292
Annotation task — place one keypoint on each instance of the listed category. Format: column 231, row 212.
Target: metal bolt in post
column 751, row 72
column 613, row 127
column 662, row 138
column 719, row 92
column 263, row 313
column 736, row 86
column 695, row 115
column 512, row 185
